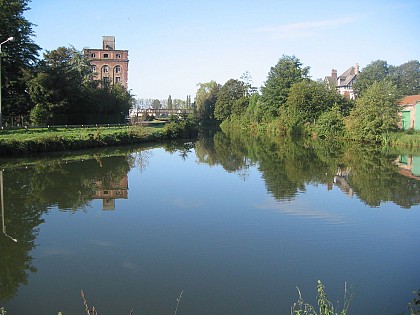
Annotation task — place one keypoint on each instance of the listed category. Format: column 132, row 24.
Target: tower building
column 109, row 65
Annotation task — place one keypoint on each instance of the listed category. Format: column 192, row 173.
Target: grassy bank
column 36, row 140
column 409, row 139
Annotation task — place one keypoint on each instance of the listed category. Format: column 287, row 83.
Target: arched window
column 106, row 69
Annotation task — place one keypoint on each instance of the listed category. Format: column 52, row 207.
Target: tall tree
column 64, row 93
column 156, row 104
column 407, row 77
column 228, row 99
column 56, row 88
column 376, row 71
column 205, row 100
column 281, row 77
column 169, row 104
column 18, row 57
column 375, row 112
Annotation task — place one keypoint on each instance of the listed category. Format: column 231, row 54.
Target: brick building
column 109, row 64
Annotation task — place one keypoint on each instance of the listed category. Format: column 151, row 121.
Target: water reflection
column 32, row 188
column 288, row 166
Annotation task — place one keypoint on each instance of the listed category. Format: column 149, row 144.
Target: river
column 221, row 225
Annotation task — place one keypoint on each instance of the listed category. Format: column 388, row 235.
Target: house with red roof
column 410, row 112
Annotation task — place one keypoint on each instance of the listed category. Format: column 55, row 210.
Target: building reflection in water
column 409, row 166
column 109, row 191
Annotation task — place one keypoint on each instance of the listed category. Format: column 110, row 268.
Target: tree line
column 168, row 103
column 290, row 102
column 56, row 89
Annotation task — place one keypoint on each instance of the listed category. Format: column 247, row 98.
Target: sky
column 176, row 44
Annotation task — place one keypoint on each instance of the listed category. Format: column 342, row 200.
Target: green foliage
column 40, row 116
column 205, row 100
column 330, row 124
column 414, row 305
column 280, row 79
column 18, row 56
column 409, row 139
column 307, row 100
column 375, row 113
column 326, row 307
column 407, row 78
column 169, row 104
column 376, row 71
column 156, row 104
column 64, row 92
column 232, row 98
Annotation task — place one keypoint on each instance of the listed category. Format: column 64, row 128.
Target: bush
column 330, row 124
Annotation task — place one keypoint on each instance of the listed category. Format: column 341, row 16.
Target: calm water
column 235, row 224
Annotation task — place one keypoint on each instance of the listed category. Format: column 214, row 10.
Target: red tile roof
column 410, row 99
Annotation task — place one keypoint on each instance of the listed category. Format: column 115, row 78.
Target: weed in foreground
column 325, row 306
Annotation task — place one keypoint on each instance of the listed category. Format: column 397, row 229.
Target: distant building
column 109, row 65
column 410, row 112
column 344, row 82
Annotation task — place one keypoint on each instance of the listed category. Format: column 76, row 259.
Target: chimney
column 334, row 73
column 356, row 69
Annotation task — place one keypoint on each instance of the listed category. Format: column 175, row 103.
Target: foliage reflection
column 289, row 165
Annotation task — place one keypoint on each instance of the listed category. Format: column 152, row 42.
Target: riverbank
column 15, row 142
column 409, row 139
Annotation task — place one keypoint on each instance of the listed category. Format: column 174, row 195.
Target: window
column 106, row 69
column 92, row 55
column 118, row 56
column 117, row 79
column 93, row 68
column 117, row 69
column 105, row 55
column 106, row 80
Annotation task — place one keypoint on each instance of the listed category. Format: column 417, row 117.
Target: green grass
column 28, row 141
column 408, row 139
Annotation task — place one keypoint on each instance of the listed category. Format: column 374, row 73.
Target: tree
column 169, row 104
column 228, row 99
column 330, row 123
column 407, row 78
column 307, row 100
column 57, row 86
column 374, row 72
column 205, row 100
column 375, row 112
column 64, row 92
column 156, row 104
column 281, row 77
column 188, row 104
column 18, row 57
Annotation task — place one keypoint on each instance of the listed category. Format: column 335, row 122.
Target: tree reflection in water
column 289, row 165
column 33, row 188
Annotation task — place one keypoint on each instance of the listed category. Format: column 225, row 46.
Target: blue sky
column 174, row 45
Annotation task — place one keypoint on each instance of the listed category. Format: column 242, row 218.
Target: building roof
column 331, row 81
column 347, row 76
column 410, row 99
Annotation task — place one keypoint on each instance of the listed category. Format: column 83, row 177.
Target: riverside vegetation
column 36, row 140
